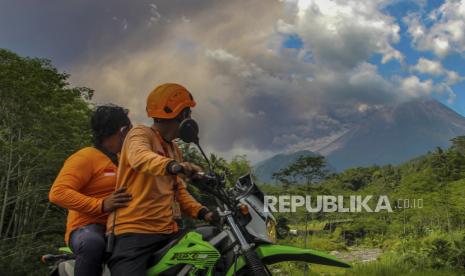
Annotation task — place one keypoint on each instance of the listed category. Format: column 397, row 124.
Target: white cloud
column 345, row 33
column 415, row 87
column 237, row 66
column 435, row 68
column 431, row 67
column 453, row 77
column 445, row 33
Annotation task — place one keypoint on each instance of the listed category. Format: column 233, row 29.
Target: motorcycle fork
column 237, row 233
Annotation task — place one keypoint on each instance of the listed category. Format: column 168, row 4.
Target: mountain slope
column 391, row 135
column 397, row 134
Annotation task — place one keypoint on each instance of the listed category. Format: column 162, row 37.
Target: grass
column 390, row 263
column 379, row 268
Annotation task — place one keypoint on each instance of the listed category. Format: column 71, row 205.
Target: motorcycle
column 242, row 241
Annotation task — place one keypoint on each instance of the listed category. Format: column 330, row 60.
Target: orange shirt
column 142, row 169
column 87, row 177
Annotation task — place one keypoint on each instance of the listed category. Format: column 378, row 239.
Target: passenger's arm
column 75, row 174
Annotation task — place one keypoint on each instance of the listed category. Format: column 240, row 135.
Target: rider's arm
column 75, row 174
column 141, row 156
column 187, row 202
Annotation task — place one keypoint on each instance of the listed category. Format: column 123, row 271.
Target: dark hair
column 106, row 120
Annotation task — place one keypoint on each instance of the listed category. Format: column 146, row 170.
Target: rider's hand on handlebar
column 187, row 169
column 212, row 217
column 116, row 200
column 190, row 168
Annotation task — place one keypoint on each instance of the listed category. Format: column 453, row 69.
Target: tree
column 42, row 121
column 458, row 143
column 285, row 177
column 356, row 178
column 310, row 169
column 239, row 166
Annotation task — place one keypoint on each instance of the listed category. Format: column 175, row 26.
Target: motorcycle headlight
column 271, row 229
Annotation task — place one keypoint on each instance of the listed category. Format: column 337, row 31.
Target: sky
column 269, row 76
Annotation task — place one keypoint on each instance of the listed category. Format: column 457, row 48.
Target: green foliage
column 311, row 169
column 42, row 121
column 426, row 240
column 439, row 253
column 237, row 167
column 282, row 227
column 388, row 267
column 435, row 251
column 458, row 143
column 357, row 178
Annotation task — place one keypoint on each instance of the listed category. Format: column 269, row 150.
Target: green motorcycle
column 241, row 243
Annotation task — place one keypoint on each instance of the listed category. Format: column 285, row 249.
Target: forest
column 43, row 119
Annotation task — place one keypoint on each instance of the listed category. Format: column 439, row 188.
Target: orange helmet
column 168, row 100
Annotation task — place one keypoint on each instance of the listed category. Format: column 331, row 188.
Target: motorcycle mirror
column 189, row 131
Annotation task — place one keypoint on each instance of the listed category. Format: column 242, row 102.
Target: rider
column 149, row 163
column 86, row 187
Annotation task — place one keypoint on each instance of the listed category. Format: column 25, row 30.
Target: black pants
column 132, row 251
column 88, row 245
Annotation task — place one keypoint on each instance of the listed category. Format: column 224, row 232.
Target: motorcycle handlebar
column 178, row 169
column 198, row 177
column 204, row 181
column 203, row 176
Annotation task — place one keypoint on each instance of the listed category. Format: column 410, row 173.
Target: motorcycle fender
column 273, row 253
column 65, row 250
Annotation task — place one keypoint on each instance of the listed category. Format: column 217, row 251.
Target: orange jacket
column 142, row 169
column 87, row 177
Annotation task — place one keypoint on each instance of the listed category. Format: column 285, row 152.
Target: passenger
column 86, row 187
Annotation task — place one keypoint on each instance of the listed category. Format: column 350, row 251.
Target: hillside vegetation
column 42, row 121
column 428, row 237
